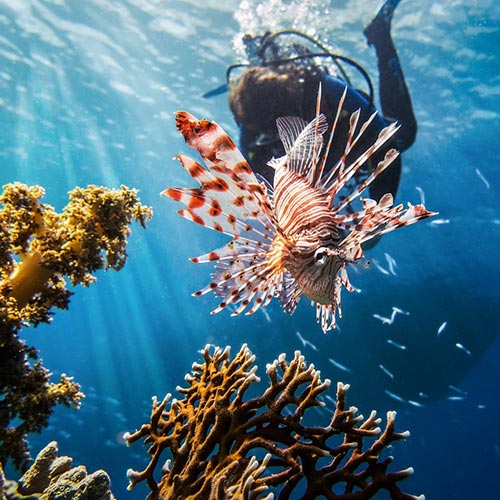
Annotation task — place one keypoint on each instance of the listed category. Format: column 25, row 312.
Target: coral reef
column 223, row 447
column 53, row 477
column 39, row 248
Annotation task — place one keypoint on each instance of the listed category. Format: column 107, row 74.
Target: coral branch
column 221, row 446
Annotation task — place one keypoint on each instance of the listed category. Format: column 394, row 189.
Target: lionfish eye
column 320, row 256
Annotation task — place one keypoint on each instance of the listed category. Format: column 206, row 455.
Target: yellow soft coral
column 43, row 246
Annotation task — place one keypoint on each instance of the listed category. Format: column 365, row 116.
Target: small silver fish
column 415, row 403
column 376, row 263
column 306, row 342
column 386, row 371
column 438, row 222
column 463, row 348
column 395, row 344
column 390, row 321
column 395, row 396
column 421, row 193
column 458, row 390
column 441, row 328
column 385, row 321
column 339, row 365
column 483, row 178
column 391, row 263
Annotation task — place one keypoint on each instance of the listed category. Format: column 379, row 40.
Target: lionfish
column 295, row 238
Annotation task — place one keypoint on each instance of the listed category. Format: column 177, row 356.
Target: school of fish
column 297, row 237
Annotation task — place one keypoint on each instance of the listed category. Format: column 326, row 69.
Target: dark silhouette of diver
column 282, row 79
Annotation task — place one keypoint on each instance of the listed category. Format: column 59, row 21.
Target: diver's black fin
column 381, row 23
column 217, row 91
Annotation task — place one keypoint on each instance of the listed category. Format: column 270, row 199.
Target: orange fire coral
column 39, row 248
column 224, row 447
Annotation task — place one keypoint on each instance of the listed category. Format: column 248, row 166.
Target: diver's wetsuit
column 332, row 90
column 394, row 99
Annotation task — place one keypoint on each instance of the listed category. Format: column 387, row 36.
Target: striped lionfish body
column 296, row 238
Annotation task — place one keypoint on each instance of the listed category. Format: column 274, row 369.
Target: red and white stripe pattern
column 296, row 241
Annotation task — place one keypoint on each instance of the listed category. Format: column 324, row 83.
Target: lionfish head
column 314, row 266
column 312, row 254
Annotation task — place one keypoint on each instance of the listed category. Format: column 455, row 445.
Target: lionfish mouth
column 321, row 294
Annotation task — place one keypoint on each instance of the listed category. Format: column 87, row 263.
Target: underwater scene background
column 87, row 96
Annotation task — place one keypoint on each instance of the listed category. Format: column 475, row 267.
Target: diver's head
column 261, row 95
column 264, row 93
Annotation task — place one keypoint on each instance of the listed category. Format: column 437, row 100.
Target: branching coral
column 53, row 477
column 224, row 447
column 39, row 248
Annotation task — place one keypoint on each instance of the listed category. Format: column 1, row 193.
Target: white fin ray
column 241, row 248
column 231, row 275
column 300, row 155
column 325, row 315
column 290, row 294
column 317, row 181
column 249, row 286
column 289, row 130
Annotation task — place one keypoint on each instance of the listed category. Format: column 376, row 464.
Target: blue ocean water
column 87, row 96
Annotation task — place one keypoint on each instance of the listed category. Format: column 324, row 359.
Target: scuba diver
column 282, row 79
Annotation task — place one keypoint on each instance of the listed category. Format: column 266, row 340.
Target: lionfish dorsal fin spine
column 345, row 175
column 321, row 167
column 389, row 157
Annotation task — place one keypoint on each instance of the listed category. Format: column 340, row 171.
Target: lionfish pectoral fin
column 381, row 218
column 229, row 192
column 244, row 285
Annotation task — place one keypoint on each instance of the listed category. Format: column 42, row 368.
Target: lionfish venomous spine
column 296, row 238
